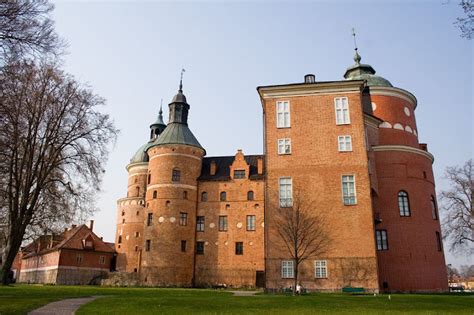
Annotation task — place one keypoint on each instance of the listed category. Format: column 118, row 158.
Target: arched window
column 154, row 194
column 185, row 194
column 176, row 175
column 204, row 196
column 434, row 208
column 403, row 204
column 149, row 178
column 250, row 195
column 223, row 196
column 119, row 239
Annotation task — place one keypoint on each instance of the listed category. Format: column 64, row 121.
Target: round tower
column 171, row 201
column 131, row 209
column 408, row 234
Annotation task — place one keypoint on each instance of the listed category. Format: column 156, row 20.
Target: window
column 381, row 238
column 286, row 193
column 185, row 194
column 348, row 190
column 287, row 269
column 438, row 242
column 119, row 239
column 137, row 234
column 176, row 176
column 250, row 195
column 283, row 114
column 137, row 189
column 200, row 224
column 238, row 174
column 250, row 223
column 434, row 208
column 342, row 110
column 147, row 245
column 183, row 246
column 320, row 269
column 345, row 143
column 102, row 260
column 199, row 248
column 149, row 178
column 154, row 194
column 239, row 248
column 149, row 219
column 183, row 218
column 223, row 196
column 79, row 258
column 204, row 196
column 284, row 146
column 222, row 223
column 136, row 248
column 403, row 204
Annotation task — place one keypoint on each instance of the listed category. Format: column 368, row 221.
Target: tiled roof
column 70, row 239
column 223, row 164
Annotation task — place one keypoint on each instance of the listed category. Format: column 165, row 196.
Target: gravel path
column 63, row 307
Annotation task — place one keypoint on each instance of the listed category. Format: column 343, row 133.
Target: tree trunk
column 12, row 247
column 296, row 278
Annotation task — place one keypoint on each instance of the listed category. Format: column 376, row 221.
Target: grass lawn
column 20, row 299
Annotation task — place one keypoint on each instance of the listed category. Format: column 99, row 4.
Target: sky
column 131, row 53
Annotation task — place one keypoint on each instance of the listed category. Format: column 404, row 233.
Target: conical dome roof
column 361, row 71
column 141, row 156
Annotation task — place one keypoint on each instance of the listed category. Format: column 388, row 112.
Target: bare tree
column 466, row 271
column 452, row 272
column 458, row 223
column 357, row 269
column 53, row 148
column 27, row 29
column 303, row 231
column 466, row 24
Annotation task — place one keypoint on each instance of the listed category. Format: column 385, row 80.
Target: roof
column 223, row 164
column 360, row 71
column 141, row 155
column 69, row 239
column 177, row 133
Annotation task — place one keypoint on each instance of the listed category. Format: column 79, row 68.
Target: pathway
column 63, row 307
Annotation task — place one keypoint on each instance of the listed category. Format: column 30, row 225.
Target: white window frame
column 284, row 146
column 287, row 269
column 321, row 269
column 341, row 105
column 251, row 221
column 353, row 195
column 343, row 144
column 283, row 117
column 286, row 201
column 381, row 239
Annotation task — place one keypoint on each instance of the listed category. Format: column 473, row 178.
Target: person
column 298, row 289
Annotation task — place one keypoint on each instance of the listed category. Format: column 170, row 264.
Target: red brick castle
column 352, row 145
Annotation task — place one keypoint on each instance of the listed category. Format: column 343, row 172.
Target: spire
column 357, row 57
column 158, row 126
column 181, row 80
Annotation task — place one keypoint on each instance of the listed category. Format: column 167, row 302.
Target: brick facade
column 230, row 236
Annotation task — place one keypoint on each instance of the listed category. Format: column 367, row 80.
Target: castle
column 350, row 145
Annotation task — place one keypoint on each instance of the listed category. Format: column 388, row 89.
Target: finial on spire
column 161, row 108
column 357, row 57
column 181, row 80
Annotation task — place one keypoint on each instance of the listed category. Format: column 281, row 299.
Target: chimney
column 213, row 168
column 91, row 225
column 309, row 78
column 73, row 226
column 260, row 166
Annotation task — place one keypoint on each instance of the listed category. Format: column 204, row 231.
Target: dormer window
column 88, row 242
column 238, row 174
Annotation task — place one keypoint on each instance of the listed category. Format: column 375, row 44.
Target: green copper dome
column 361, row 71
column 141, row 156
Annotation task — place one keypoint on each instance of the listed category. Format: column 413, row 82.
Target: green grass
column 20, row 299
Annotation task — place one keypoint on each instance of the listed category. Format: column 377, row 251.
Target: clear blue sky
column 132, row 52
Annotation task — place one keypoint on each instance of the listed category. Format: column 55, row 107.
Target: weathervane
column 357, row 57
column 181, row 80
